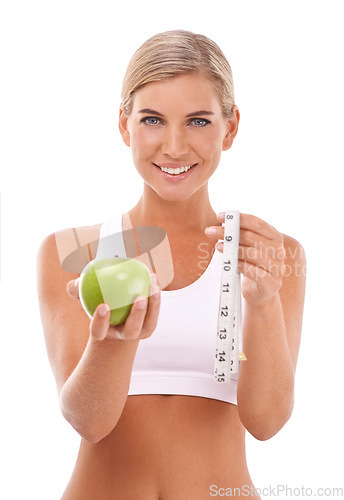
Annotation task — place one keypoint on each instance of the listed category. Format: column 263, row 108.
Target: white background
column 63, row 164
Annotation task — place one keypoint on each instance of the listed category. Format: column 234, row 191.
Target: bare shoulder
column 61, row 258
column 77, row 246
column 70, row 249
column 292, row 292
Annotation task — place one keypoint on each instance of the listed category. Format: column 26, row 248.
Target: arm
column 272, row 332
column 93, row 397
column 274, row 269
column 91, row 361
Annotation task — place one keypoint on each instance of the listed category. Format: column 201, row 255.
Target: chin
column 179, row 195
column 173, row 196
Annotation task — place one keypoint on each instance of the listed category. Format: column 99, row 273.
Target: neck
column 178, row 217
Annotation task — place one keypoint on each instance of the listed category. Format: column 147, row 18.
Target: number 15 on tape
column 229, row 325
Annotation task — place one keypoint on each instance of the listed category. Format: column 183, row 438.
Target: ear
column 123, row 126
column 232, row 129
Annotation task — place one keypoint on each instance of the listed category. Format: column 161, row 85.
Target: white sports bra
column 178, row 358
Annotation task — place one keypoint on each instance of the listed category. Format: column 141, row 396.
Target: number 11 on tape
column 229, row 325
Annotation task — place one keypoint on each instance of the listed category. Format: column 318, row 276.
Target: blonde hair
column 172, row 53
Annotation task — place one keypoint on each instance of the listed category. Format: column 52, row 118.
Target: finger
column 261, row 259
column 133, row 323
column 252, row 246
column 249, row 238
column 100, row 322
column 252, row 242
column 150, row 319
column 216, row 232
column 254, row 224
column 257, row 225
column 248, row 227
column 152, row 314
column 219, row 246
column 73, row 288
column 259, row 275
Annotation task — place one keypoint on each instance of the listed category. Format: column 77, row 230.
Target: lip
column 175, row 165
column 175, row 178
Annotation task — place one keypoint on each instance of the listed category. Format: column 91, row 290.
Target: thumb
column 100, row 322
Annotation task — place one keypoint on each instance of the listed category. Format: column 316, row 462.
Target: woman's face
column 175, row 123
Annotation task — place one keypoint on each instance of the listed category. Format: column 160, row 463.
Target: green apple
column 115, row 281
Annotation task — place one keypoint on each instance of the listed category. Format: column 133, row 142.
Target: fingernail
column 141, row 303
column 76, row 283
column 103, row 310
column 210, row 230
column 155, row 278
column 219, row 245
column 221, row 215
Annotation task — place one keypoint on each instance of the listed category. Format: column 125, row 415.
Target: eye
column 151, row 120
column 200, row 122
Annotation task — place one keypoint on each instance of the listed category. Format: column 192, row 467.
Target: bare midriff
column 165, row 447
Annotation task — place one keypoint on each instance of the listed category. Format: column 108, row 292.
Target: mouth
column 175, row 169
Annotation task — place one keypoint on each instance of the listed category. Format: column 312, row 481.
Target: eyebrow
column 196, row 113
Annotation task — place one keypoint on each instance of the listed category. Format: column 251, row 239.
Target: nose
column 175, row 143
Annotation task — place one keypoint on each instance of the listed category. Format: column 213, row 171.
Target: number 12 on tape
column 229, row 325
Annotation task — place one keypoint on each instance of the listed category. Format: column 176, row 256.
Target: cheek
column 143, row 145
column 142, row 142
column 210, row 146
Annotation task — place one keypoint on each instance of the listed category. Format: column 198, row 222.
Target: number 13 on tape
column 229, row 325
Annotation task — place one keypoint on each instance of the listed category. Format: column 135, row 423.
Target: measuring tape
column 229, row 324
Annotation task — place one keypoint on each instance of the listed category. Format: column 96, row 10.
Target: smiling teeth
column 175, row 171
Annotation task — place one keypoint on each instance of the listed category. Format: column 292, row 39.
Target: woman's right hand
column 140, row 323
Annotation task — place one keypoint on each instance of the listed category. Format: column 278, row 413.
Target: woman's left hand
column 260, row 259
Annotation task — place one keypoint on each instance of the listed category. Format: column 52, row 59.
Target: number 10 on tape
column 229, row 325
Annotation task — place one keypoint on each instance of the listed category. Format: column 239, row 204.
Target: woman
column 154, row 423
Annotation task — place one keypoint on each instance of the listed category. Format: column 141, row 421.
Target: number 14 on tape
column 229, row 325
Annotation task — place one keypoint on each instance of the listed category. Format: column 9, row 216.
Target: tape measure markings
column 229, row 326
